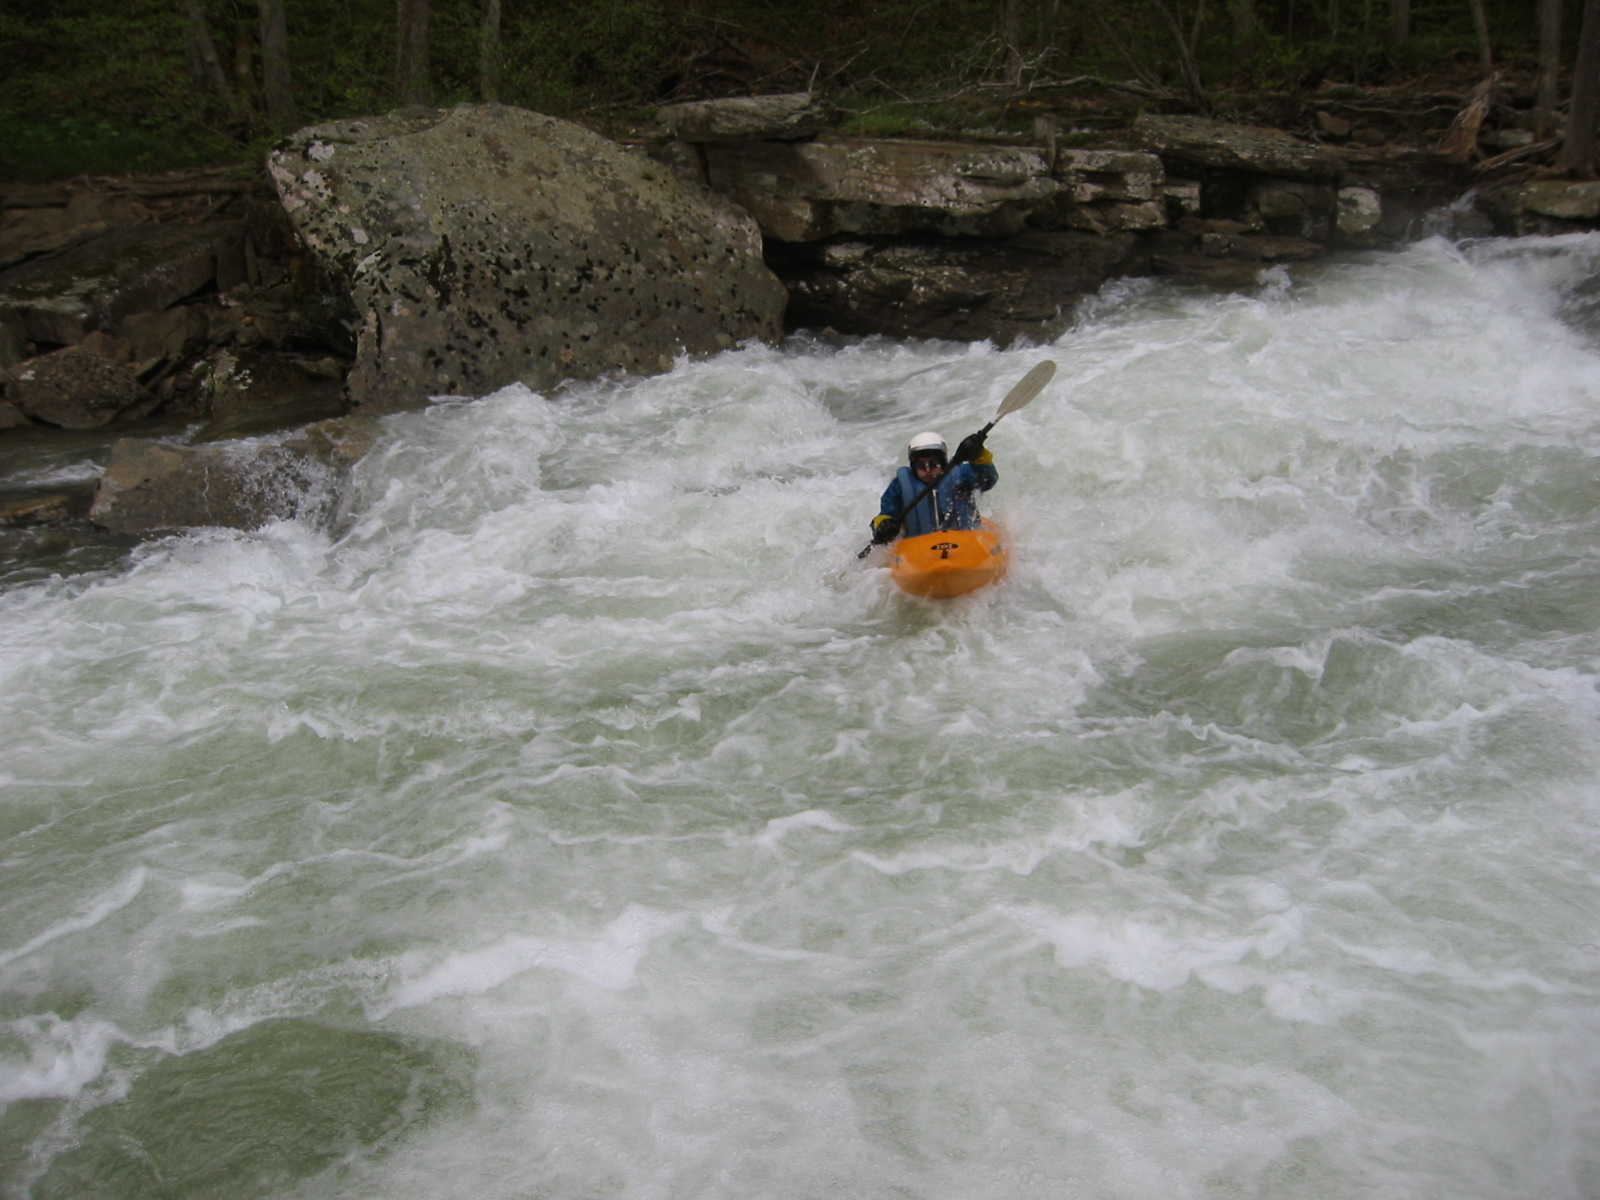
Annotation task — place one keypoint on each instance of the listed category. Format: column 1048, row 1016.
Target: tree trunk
column 207, row 63
column 489, row 52
column 1399, row 23
column 1186, row 42
column 1011, row 39
column 1480, row 22
column 412, row 82
column 1583, row 121
column 276, row 84
column 1246, row 25
column 1545, row 91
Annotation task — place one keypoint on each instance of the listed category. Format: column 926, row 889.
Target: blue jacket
column 953, row 493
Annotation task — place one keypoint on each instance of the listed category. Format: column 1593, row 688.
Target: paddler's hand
column 971, row 450
column 884, row 527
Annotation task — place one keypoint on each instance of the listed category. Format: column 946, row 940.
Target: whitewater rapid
column 572, row 814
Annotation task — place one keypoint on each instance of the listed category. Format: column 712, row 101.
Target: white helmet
column 927, row 443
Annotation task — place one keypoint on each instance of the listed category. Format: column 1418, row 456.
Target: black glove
column 884, row 527
column 970, row 448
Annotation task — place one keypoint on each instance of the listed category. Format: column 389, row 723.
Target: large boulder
column 484, row 244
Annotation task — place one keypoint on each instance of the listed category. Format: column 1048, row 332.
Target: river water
column 575, row 816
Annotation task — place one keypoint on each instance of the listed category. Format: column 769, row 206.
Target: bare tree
column 205, row 62
column 1399, row 23
column 277, row 86
column 412, row 81
column 489, row 52
column 1549, row 66
column 1011, row 39
column 1583, row 120
column 1480, row 22
column 1186, row 40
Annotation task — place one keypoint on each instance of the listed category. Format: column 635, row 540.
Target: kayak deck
column 950, row 563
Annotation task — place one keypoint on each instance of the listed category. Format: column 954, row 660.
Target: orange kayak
column 950, row 563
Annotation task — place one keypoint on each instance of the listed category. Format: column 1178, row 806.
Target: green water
column 575, row 817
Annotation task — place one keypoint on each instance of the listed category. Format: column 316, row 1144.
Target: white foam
column 779, row 827
column 103, row 905
column 609, row 961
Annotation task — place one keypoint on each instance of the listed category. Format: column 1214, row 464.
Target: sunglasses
column 927, row 463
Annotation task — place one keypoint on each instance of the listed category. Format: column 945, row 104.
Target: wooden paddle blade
column 1029, row 386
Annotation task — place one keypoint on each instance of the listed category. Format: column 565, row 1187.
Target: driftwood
column 196, row 181
column 1517, row 154
column 1460, row 141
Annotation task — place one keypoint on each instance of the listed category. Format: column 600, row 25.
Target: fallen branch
column 1517, row 154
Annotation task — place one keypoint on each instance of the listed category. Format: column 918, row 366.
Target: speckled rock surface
column 484, row 244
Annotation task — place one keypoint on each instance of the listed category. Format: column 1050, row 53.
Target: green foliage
column 98, row 88
column 901, row 117
column 92, row 86
column 565, row 56
column 71, row 145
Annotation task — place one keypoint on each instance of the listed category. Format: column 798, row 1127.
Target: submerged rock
column 151, row 486
column 484, row 245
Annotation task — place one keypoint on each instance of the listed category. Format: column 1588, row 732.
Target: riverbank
column 206, row 314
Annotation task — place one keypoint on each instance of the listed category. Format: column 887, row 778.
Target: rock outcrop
column 102, row 323
column 969, row 240
column 747, row 118
column 485, row 244
column 98, row 285
column 453, row 251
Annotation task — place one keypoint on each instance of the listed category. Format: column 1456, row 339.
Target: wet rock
column 485, row 244
column 49, row 509
column 152, row 486
column 252, row 391
column 1358, row 215
column 74, row 388
column 1019, row 288
column 1294, row 208
column 1565, row 199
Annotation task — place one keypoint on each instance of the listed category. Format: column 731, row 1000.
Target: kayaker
column 948, row 502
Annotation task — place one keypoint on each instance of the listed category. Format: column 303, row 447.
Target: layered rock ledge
column 386, row 260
